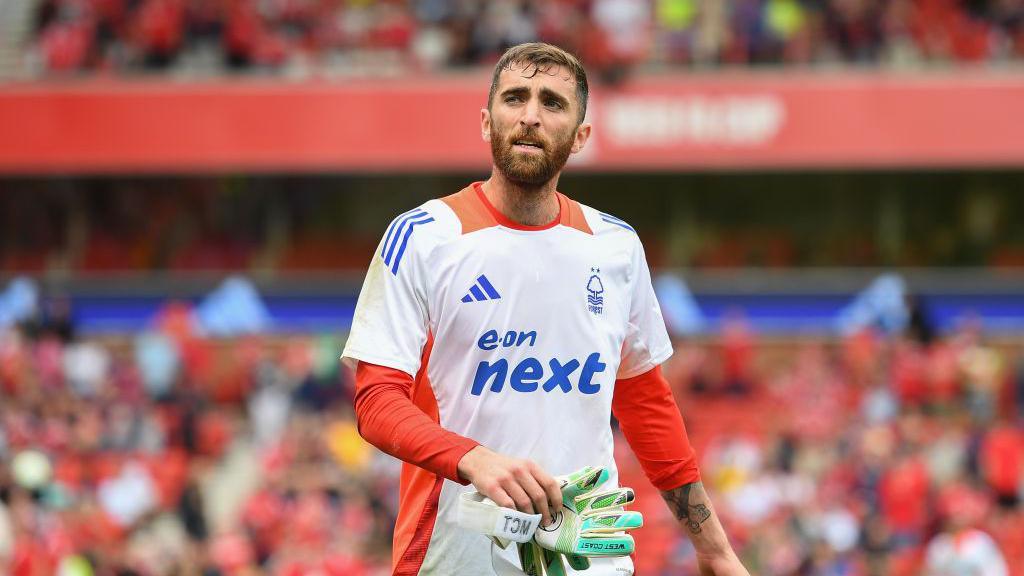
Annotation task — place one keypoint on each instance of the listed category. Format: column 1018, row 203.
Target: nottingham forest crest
column 595, row 292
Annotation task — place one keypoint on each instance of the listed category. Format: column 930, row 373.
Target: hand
column 512, row 482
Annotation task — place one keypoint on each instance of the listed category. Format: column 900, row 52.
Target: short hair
column 543, row 57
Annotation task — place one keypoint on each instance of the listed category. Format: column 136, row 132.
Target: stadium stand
column 226, row 224
column 170, row 451
column 131, row 444
column 301, row 37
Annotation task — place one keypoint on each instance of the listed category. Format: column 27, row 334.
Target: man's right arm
column 388, row 419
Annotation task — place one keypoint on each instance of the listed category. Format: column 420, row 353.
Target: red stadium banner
column 740, row 121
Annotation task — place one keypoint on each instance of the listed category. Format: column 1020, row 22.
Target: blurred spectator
column 86, row 368
column 737, row 354
column 961, row 549
column 159, row 31
column 1002, row 463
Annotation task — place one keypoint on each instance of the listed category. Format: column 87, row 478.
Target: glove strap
column 478, row 513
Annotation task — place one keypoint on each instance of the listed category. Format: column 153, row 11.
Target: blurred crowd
column 172, row 453
column 612, row 36
column 870, row 456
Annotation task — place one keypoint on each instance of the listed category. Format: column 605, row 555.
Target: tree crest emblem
column 595, row 291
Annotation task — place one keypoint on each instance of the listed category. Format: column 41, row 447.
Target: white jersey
column 515, row 336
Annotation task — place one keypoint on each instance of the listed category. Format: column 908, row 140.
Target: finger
column 585, row 481
column 618, row 544
column 615, row 498
column 608, row 522
column 550, row 486
column 537, row 495
column 519, row 497
column 499, row 496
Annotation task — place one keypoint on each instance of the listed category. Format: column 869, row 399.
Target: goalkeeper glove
column 537, row 561
column 592, row 523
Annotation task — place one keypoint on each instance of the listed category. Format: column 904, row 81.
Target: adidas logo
column 482, row 290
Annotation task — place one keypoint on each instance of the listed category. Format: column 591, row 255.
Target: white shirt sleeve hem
column 656, row 359
column 388, row 362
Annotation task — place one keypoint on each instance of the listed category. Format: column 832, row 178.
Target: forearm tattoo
column 691, row 512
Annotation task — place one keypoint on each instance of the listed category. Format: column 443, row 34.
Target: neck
column 523, row 204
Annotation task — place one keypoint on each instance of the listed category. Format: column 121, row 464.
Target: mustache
column 531, row 135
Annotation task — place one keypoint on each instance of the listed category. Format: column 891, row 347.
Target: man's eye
column 555, row 104
column 512, row 99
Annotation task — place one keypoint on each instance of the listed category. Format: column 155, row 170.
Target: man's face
column 532, row 124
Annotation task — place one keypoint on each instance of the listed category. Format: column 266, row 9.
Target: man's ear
column 582, row 135
column 485, row 124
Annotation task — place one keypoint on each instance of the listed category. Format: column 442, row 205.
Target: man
column 497, row 330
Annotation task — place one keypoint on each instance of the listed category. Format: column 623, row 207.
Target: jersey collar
column 509, row 223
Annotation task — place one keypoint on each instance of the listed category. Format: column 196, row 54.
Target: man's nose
column 531, row 114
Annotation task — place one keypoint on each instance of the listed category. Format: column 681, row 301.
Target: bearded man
column 497, row 331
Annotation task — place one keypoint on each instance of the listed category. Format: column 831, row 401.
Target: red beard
column 529, row 169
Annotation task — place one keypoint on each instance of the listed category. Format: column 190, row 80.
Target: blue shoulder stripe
column 616, row 221
column 422, row 219
column 403, row 220
column 391, row 229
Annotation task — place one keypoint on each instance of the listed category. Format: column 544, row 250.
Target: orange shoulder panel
column 572, row 214
column 473, row 215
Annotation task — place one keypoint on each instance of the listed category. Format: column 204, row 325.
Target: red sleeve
column 388, row 419
column 653, row 426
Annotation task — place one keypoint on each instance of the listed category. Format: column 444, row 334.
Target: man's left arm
column 692, row 507
column 653, row 427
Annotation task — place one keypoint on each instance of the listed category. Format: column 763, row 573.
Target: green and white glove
column 593, row 522
column 537, row 561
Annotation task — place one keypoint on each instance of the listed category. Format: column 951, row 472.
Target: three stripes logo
column 397, row 237
column 616, row 221
column 480, row 291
